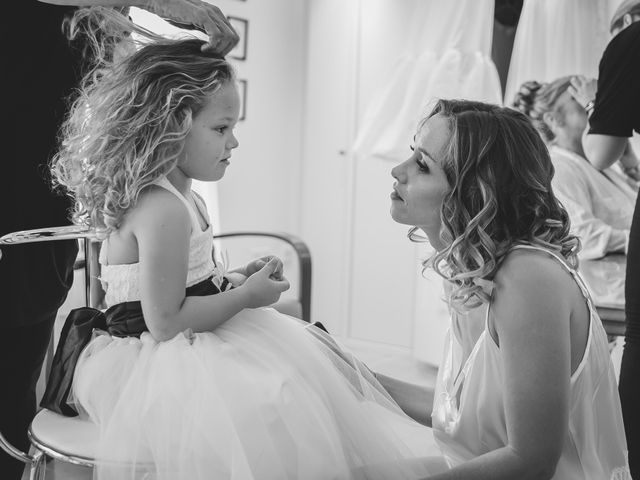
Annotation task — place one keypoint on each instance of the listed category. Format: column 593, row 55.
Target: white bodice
column 121, row 282
column 469, row 417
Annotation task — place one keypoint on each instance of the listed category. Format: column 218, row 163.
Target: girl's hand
column 583, row 89
column 236, row 278
column 263, row 288
column 257, row 264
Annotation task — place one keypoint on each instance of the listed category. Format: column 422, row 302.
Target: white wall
column 367, row 282
column 261, row 188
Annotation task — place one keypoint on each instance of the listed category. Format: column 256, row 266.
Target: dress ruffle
column 264, row 396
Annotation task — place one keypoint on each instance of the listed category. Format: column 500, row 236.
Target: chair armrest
column 67, row 232
column 304, row 262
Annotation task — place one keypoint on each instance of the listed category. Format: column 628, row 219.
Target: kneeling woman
column 526, row 388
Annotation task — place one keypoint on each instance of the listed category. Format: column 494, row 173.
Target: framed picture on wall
column 241, row 26
column 242, row 90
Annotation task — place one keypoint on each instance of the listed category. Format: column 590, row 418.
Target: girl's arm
column 532, row 310
column 162, row 228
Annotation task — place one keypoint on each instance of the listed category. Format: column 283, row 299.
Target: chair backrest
column 238, row 248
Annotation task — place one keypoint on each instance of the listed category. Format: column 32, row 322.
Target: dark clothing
column 120, row 320
column 617, row 113
column 34, row 278
column 617, row 105
column 22, row 351
column 40, row 72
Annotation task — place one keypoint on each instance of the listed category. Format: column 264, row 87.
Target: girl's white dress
column 469, row 417
column 264, row 396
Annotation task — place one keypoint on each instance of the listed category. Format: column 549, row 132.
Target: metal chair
column 72, row 439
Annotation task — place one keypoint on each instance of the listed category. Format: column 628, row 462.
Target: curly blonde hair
column 535, row 99
column 128, row 124
column 500, row 175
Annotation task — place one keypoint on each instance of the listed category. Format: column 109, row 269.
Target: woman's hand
column 198, row 15
column 583, row 89
column 263, row 287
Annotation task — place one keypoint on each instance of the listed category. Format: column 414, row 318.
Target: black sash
column 121, row 320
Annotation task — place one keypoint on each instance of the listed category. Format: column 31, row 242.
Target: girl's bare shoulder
column 155, row 207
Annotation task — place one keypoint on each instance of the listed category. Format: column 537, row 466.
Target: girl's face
column 208, row 144
column 421, row 183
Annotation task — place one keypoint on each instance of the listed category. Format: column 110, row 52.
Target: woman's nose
column 397, row 172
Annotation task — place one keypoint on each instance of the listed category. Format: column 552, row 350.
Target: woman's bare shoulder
column 534, row 279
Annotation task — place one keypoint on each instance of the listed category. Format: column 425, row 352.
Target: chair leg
column 38, row 466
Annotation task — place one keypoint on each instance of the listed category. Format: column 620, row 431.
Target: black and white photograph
column 360, row 240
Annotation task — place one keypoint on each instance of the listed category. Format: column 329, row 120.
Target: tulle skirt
column 265, row 396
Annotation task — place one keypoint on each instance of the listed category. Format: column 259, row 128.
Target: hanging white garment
column 447, row 55
column 557, row 38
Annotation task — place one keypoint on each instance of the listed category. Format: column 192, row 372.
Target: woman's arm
column 188, row 14
column 162, row 227
column 415, row 400
column 605, row 150
column 531, row 311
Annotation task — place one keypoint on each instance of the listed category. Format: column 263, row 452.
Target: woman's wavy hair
column 500, row 175
column 131, row 116
column 535, row 99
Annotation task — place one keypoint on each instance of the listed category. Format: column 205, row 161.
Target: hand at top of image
column 197, row 15
column 583, row 89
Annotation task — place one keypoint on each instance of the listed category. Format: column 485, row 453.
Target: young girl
column 526, row 389
column 196, row 380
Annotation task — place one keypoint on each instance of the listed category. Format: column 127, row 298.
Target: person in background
column 526, row 389
column 614, row 109
column 599, row 202
column 41, row 71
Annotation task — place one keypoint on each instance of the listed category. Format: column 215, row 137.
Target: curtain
column 447, row 54
column 557, row 38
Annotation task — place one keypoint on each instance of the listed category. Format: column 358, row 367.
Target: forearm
column 200, row 314
column 414, row 400
column 603, row 150
column 96, row 3
column 501, row 464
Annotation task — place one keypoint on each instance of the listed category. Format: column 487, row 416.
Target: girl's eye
column 221, row 129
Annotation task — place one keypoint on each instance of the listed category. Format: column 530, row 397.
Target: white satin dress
column 469, row 417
